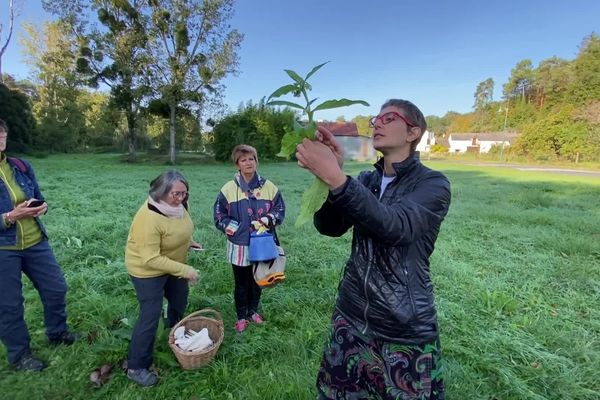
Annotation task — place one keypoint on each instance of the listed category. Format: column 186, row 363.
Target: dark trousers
column 246, row 293
column 42, row 269
column 150, row 293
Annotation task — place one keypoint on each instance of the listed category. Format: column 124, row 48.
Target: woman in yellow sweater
column 156, row 255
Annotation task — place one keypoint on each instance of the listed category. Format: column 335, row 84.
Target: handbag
column 269, row 273
column 262, row 247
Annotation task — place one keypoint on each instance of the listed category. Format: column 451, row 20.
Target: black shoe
column 142, row 377
column 28, row 362
column 66, row 338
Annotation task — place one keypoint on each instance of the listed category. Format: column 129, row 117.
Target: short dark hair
column 412, row 113
column 162, row 184
column 3, row 126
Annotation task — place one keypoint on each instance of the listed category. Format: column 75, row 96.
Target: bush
column 257, row 125
column 439, row 148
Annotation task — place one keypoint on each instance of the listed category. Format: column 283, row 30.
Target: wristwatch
column 7, row 220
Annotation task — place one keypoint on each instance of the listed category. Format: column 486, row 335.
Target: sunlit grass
column 516, row 271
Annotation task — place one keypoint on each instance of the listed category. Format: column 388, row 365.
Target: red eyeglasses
column 389, row 117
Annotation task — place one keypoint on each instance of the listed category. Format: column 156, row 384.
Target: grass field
column 516, row 269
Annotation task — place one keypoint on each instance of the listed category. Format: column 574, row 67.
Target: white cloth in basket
column 192, row 341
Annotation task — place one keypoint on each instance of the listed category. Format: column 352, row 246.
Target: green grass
column 516, row 271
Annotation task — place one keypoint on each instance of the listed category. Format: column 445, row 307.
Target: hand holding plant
column 315, row 195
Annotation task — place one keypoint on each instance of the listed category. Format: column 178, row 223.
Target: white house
column 356, row 147
column 427, row 140
column 479, row 142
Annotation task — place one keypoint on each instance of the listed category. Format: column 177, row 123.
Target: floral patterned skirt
column 355, row 366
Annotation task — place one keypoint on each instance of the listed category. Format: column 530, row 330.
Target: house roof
column 341, row 128
column 485, row 136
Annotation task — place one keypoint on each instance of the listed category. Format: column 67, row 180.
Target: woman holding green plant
column 384, row 340
column 248, row 198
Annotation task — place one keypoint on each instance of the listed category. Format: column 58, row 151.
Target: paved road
column 565, row 171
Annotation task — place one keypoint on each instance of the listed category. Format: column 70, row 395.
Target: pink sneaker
column 241, row 325
column 257, row 319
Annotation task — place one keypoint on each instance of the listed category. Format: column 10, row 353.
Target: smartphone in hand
column 35, row 203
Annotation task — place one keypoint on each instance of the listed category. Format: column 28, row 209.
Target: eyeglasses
column 182, row 195
column 389, row 117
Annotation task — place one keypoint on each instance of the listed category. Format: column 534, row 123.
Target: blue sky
column 433, row 53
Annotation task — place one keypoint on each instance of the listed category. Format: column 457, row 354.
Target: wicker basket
column 197, row 321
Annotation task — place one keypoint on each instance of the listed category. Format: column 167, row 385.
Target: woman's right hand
column 325, row 136
column 192, row 276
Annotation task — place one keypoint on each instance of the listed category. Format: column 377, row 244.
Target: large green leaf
column 289, row 141
column 315, row 69
column 294, row 76
column 284, row 103
column 312, row 199
column 283, row 90
column 326, row 105
column 307, row 131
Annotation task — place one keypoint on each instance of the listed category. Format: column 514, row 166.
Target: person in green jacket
column 156, row 258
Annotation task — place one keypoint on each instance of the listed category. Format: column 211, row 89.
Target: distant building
column 427, row 140
column 356, row 147
column 479, row 142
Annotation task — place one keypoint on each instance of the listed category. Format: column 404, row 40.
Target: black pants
column 150, row 293
column 247, row 292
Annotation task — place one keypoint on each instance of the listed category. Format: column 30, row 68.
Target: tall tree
column 553, row 79
column 521, row 81
column 113, row 54
column 193, row 48
column 12, row 14
column 484, row 94
column 52, row 53
column 586, row 71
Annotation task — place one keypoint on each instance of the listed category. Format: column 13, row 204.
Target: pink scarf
column 169, row 211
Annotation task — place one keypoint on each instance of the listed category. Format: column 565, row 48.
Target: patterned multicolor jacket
column 246, row 202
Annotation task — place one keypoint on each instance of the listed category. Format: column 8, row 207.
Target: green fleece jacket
column 158, row 245
column 28, row 231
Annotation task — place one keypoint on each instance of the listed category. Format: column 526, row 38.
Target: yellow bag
column 269, row 273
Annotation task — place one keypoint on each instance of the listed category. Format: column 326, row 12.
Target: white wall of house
column 460, row 146
column 427, row 140
column 357, row 148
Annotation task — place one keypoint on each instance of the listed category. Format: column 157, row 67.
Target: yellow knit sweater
column 158, row 245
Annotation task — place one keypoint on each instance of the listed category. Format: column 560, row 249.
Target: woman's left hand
column 23, row 211
column 195, row 246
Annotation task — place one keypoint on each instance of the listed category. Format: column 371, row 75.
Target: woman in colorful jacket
column 248, row 197
column 156, row 258
column 24, row 249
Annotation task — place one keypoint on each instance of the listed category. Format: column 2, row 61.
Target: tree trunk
column 131, row 135
column 172, row 148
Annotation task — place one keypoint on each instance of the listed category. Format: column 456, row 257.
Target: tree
column 521, row 81
column 12, row 14
column 553, row 80
column 484, row 94
column 113, row 55
column 260, row 125
column 586, row 71
column 52, row 53
column 362, row 124
column 193, row 49
column 16, row 112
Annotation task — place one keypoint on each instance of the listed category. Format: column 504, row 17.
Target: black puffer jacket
column 386, row 290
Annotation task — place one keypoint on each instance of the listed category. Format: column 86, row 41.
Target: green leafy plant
column 315, row 195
